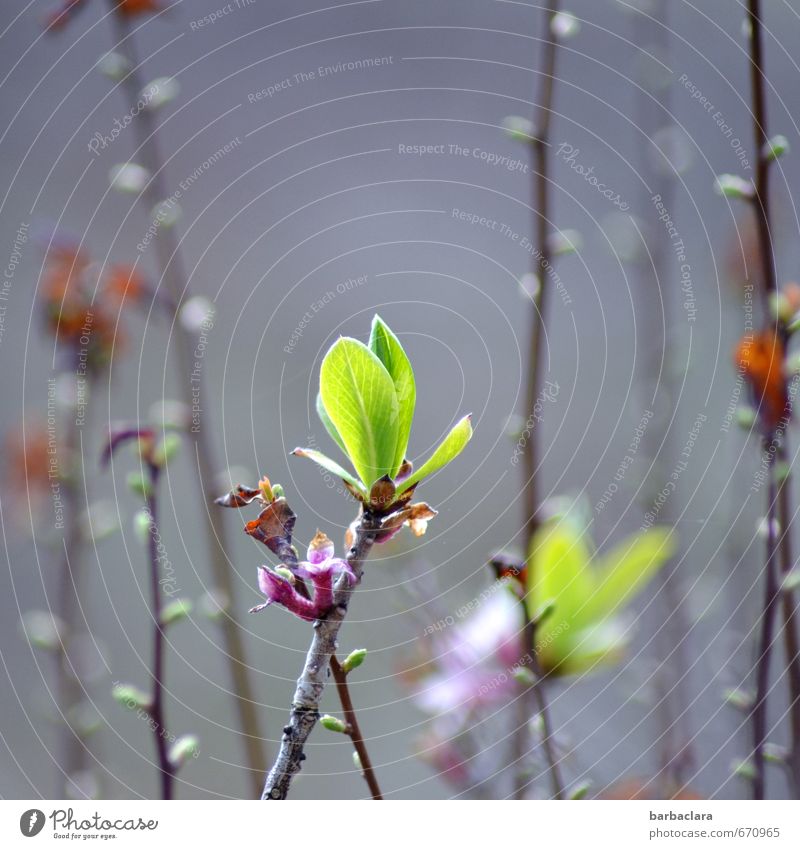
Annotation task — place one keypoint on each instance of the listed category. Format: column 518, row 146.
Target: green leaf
column 452, row 445
column 329, row 425
column 579, row 650
column 359, row 396
column 585, row 628
column 331, row 466
column 557, row 574
column 387, row 348
column 557, row 569
column 626, row 570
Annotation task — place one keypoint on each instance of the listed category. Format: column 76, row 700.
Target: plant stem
column 73, row 747
column 770, row 287
column 652, row 104
column 311, row 684
column 771, row 590
column 761, row 197
column 157, row 701
column 354, row 731
column 542, row 265
column 170, row 262
column 74, row 755
column 790, row 629
column 536, row 691
column 530, row 499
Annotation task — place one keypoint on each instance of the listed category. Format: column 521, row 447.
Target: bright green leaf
column 557, row 568
column 387, row 348
column 329, row 425
column 331, row 466
column 452, row 445
column 360, row 398
column 586, row 628
column 578, row 650
column 626, row 570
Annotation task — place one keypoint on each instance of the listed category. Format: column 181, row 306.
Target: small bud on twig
column 176, row 611
column 580, row 791
column 731, row 186
column 185, row 747
column 775, row 147
column 333, row 723
column 354, row 660
column 742, row 700
column 139, row 485
column 131, row 697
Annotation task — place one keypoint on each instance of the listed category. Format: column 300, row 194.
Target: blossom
column 82, row 312
column 760, row 359
column 476, row 657
column 63, row 13
column 321, row 568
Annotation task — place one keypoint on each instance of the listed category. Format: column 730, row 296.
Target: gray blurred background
column 317, row 192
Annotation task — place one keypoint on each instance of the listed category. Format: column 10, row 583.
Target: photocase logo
column 31, row 822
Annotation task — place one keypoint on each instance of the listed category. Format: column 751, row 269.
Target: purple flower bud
column 321, row 568
column 320, row 549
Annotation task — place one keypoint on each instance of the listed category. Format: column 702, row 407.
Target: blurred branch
column 542, row 256
column 652, row 103
column 173, row 274
column 73, row 754
column 156, row 709
column 535, row 691
column 761, row 208
column 353, row 729
column 759, row 111
column 533, row 699
column 790, row 629
column 771, row 590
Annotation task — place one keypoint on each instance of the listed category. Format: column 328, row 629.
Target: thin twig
column 173, row 274
column 543, row 709
column 353, row 729
column 761, row 196
column 790, row 630
column 530, row 499
column 652, row 103
column 542, row 258
column 156, row 709
column 771, row 590
column 311, row 684
column 73, row 756
column 761, row 209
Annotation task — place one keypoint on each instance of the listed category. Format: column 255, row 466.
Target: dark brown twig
column 653, row 102
column 761, row 196
column 170, row 262
column 530, row 499
column 353, row 729
column 542, row 258
column 156, row 708
column 73, row 755
column 771, row 590
column 536, row 691
column 760, row 202
column 790, row 631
